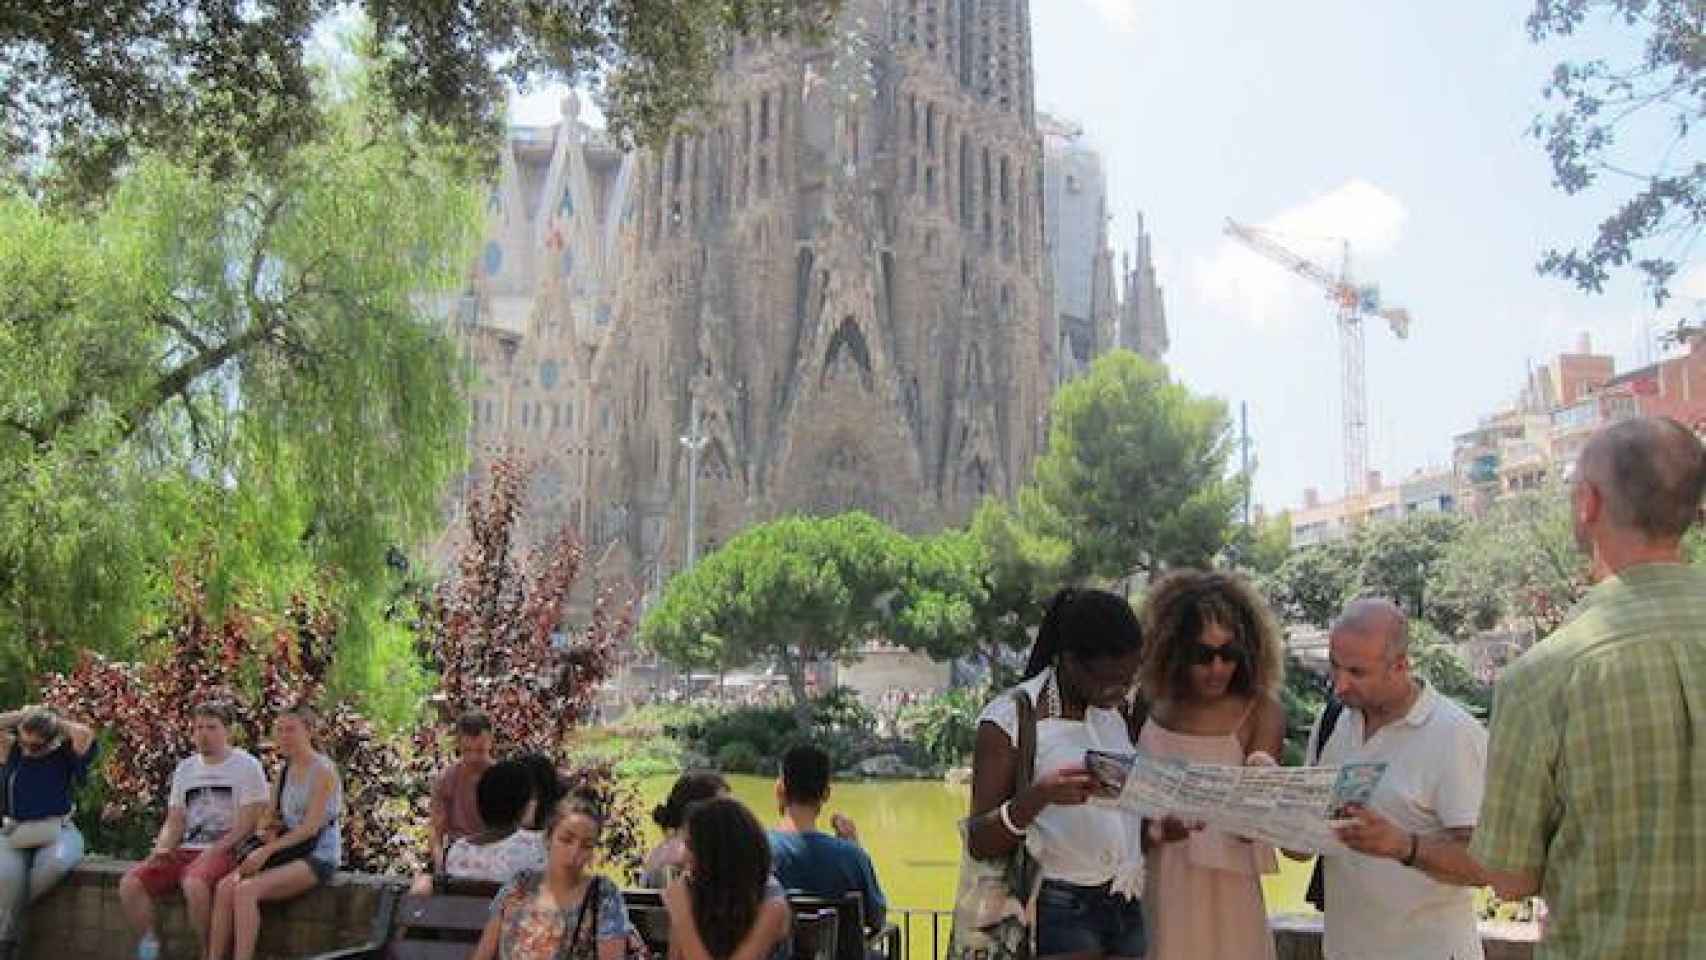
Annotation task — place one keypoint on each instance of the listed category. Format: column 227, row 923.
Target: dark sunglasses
column 1201, row 654
column 32, row 745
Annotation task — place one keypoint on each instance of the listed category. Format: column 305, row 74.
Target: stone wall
column 82, row 918
column 1298, row 937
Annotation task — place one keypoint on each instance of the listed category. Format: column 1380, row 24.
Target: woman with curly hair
column 1210, row 672
column 726, row 905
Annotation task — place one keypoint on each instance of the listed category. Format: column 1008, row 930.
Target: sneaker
column 148, row 948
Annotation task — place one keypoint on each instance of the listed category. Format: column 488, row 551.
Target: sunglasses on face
column 1201, row 654
column 32, row 745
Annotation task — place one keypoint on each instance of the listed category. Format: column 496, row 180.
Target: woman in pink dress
column 1210, row 671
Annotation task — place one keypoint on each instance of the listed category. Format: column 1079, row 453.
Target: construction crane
column 1352, row 303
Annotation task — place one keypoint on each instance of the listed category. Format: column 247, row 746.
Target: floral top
column 528, row 931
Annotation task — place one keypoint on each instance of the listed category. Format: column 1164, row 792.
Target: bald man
column 1596, row 775
column 1402, row 893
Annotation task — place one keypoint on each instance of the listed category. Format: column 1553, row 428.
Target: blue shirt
column 820, row 865
column 40, row 787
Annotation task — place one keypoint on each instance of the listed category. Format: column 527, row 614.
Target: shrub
column 945, row 728
column 740, row 757
column 841, row 725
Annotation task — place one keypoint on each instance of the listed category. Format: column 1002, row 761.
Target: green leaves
column 1651, row 99
column 1136, row 470
column 240, row 376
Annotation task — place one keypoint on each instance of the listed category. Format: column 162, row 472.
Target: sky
column 1399, row 126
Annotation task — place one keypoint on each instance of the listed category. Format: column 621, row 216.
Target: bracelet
column 1007, row 819
column 1415, row 848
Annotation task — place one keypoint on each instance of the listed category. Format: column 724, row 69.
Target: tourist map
column 1289, row 807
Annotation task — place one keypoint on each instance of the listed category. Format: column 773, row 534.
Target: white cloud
column 1244, row 283
column 1121, row 14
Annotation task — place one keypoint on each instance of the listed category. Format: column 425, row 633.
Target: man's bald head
column 1376, row 617
column 1651, row 472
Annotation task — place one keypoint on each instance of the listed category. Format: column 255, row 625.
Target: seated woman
column 505, row 796
column 563, row 912
column 726, row 905
column 46, row 756
column 665, row 860
column 300, row 856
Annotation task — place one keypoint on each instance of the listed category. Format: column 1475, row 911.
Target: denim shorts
column 1075, row 919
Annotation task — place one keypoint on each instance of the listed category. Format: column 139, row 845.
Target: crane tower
column 1351, row 303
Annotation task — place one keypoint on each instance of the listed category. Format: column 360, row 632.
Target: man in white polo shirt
column 1404, row 892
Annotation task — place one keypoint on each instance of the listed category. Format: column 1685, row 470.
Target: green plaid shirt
column 1596, row 770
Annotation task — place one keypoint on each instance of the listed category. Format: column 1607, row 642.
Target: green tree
column 1313, row 584
column 243, row 376
column 1136, row 470
column 1439, row 660
column 793, row 591
column 90, row 85
column 1395, row 557
column 1694, row 546
column 1631, row 117
column 1521, row 559
column 1270, row 544
column 980, row 591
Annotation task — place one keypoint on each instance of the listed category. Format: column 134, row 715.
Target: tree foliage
column 1314, row 583
column 793, row 591
column 1395, row 558
column 1519, row 562
column 1136, row 470
column 222, row 86
column 496, row 634
column 1628, row 121
column 245, row 371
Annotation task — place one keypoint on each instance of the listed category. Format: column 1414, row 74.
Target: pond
column 910, row 829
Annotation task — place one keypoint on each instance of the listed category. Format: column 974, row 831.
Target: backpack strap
column 1025, row 769
column 1324, row 731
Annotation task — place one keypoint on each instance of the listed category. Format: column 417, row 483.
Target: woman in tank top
column 1079, row 679
column 1213, row 662
column 301, row 852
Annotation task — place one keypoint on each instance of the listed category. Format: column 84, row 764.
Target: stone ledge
column 1297, row 936
column 82, row 918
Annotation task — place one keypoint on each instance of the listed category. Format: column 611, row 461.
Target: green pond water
column 910, row 829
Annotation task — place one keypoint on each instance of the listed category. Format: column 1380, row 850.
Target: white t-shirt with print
column 1436, row 758
column 211, row 794
column 521, row 850
column 1086, row 844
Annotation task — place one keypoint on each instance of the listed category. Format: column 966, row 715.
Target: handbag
column 279, row 858
column 994, row 913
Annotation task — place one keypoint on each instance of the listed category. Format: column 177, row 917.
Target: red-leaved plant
column 496, row 633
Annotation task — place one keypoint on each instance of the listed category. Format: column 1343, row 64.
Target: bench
column 447, row 924
column 855, row 940
column 444, row 925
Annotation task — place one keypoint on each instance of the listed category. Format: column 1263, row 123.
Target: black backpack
column 1317, row 895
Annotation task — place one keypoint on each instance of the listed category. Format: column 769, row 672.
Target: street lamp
column 694, row 440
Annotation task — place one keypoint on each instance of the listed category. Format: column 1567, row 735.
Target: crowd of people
column 1590, row 789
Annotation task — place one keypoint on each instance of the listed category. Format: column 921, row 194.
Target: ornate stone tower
column 842, row 271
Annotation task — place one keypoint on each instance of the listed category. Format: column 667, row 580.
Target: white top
column 521, row 850
column 1436, row 758
column 212, row 794
column 1088, row 844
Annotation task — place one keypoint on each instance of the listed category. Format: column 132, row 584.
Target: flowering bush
column 496, row 634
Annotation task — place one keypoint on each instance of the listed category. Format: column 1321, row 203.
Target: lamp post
column 694, row 440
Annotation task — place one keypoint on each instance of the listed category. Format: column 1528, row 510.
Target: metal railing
column 921, row 930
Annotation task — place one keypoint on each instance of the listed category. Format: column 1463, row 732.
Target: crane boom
column 1351, row 302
